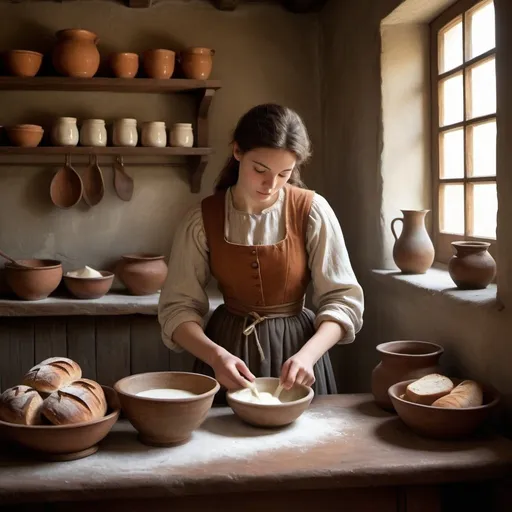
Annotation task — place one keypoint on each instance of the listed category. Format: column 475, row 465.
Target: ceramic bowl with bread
column 439, row 407
column 290, row 405
column 57, row 412
column 166, row 407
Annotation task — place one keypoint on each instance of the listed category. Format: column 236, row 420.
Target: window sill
column 437, row 281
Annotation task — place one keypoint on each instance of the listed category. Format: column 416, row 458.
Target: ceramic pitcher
column 413, row 251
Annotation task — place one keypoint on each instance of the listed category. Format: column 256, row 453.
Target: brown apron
column 263, row 320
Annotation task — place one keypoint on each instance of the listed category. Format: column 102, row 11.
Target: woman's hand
column 231, row 371
column 298, row 369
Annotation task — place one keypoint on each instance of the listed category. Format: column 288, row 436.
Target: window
column 464, row 125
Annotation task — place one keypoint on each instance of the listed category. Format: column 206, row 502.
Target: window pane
column 482, row 30
column 451, row 201
column 452, row 101
column 451, row 151
column 482, row 158
column 451, row 46
column 482, row 89
column 485, row 207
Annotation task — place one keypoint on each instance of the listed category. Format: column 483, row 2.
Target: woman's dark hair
column 268, row 126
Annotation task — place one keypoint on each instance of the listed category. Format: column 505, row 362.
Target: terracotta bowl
column 35, row 283
column 22, row 62
column 25, row 135
column 89, row 287
column 159, row 63
column 295, row 402
column 166, row 422
column 124, row 65
column 440, row 422
column 65, row 442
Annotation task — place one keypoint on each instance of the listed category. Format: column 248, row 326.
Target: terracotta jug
column 402, row 360
column 196, row 63
column 75, row 53
column 472, row 267
column 142, row 274
column 413, row 251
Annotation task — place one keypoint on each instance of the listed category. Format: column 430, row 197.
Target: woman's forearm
column 326, row 336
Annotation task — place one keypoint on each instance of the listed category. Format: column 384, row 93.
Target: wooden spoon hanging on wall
column 94, row 186
column 66, row 188
column 123, row 183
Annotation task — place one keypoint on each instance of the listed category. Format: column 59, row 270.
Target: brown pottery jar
column 402, row 360
column 142, row 274
column 413, row 251
column 472, row 267
column 75, row 53
column 197, row 63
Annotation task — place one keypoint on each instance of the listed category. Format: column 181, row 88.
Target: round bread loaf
column 52, row 374
column 21, row 405
column 82, row 400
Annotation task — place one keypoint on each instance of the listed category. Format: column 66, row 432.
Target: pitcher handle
column 393, row 226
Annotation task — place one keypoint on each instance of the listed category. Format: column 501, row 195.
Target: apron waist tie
column 251, row 329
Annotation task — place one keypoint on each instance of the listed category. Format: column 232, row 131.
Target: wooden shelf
column 140, row 85
column 110, row 150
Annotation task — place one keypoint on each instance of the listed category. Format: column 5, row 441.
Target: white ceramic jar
column 93, row 133
column 65, row 132
column 125, row 132
column 154, row 134
column 182, row 135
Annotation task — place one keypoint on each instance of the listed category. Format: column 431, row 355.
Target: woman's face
column 263, row 172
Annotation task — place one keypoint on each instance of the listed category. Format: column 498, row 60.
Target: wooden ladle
column 94, row 186
column 66, row 188
column 13, row 261
column 123, row 183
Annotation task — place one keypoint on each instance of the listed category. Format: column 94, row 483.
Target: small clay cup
column 159, row 63
column 89, row 287
column 124, row 65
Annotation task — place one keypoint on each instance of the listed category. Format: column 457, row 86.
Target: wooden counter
column 341, row 446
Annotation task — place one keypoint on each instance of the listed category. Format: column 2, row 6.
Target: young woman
column 264, row 238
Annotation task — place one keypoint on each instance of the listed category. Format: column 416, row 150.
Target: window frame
column 442, row 241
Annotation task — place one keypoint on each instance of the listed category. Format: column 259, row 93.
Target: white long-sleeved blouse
column 337, row 295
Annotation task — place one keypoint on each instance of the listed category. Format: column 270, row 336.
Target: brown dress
column 263, row 320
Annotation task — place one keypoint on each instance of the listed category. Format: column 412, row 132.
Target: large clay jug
column 402, row 360
column 75, row 53
column 196, row 62
column 142, row 274
column 472, row 267
column 413, row 251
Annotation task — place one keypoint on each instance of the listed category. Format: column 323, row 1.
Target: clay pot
column 413, row 251
column 89, row 287
column 25, row 135
column 402, row 360
column 34, row 283
column 75, row 53
column 472, row 267
column 124, row 65
column 142, row 274
column 159, row 63
column 196, row 63
column 22, row 62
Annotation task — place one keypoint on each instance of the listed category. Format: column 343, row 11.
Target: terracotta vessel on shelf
column 34, row 283
column 413, row 251
column 402, row 360
column 25, row 135
column 472, row 267
column 89, row 287
column 142, row 274
column 22, row 62
column 76, row 54
column 159, row 63
column 196, row 62
column 124, row 65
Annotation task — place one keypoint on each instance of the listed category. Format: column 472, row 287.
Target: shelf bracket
column 202, row 117
column 197, row 166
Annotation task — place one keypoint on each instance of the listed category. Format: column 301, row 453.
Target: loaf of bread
column 428, row 389
column 21, row 405
column 52, row 374
column 82, row 400
column 467, row 394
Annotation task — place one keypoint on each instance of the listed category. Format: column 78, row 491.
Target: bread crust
column 52, row 374
column 21, row 405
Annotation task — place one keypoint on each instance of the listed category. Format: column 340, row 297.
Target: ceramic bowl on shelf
column 159, row 63
column 89, row 287
column 294, row 402
column 25, row 135
column 141, row 273
column 166, row 421
column 65, row 442
column 34, row 283
column 441, row 422
column 23, row 63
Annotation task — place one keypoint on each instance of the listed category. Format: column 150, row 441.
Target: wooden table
column 344, row 453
